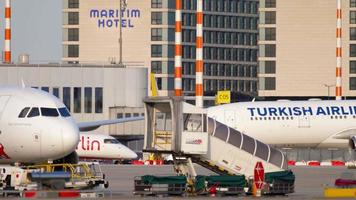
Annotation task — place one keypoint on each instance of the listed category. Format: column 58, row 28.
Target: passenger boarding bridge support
column 185, row 131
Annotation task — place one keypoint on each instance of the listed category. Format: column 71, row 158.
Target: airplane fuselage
column 312, row 123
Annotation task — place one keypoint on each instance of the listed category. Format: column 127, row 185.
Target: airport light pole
column 123, row 5
column 328, row 86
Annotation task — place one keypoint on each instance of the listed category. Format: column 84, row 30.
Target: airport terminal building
column 91, row 35
column 90, row 92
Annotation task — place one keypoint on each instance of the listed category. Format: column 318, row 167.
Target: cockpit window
column 34, row 112
column 24, row 112
column 49, row 112
column 111, row 141
column 64, row 112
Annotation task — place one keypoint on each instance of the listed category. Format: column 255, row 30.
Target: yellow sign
column 223, row 97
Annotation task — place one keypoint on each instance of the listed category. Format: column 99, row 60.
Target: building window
column 352, row 33
column 352, row 67
column 55, row 92
column 73, row 34
column 270, row 34
column 270, row 3
column 73, row 51
column 73, row 3
column 270, row 83
column 270, row 17
column 352, row 50
column 73, row 18
column 98, row 100
column 119, row 116
column 352, row 17
column 270, row 50
column 66, row 97
column 270, row 67
column 46, row 89
column 156, row 18
column 77, row 100
column 156, row 51
column 156, row 34
column 156, row 67
column 159, row 83
column 352, row 83
column 156, row 4
column 88, row 96
column 352, row 3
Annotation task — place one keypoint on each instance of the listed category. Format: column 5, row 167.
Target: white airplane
column 35, row 126
column 105, row 147
column 313, row 123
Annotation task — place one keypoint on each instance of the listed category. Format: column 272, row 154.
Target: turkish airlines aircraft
column 35, row 126
column 98, row 146
column 313, row 123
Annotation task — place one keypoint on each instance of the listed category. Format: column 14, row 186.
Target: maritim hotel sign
column 110, row 18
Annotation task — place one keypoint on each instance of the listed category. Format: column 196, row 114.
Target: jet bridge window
column 64, row 112
column 49, row 112
column 24, row 112
column 194, row 122
column 111, row 141
column 34, row 112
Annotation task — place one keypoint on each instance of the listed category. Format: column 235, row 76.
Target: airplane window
column 34, row 112
column 49, row 112
column 111, row 141
column 64, row 112
column 24, row 112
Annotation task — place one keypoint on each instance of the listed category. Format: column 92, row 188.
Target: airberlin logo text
column 299, row 111
column 110, row 18
column 87, row 145
column 194, row 141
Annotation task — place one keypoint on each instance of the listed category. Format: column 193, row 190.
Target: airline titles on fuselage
column 299, row 111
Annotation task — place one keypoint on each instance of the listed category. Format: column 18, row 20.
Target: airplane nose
column 130, row 154
column 70, row 134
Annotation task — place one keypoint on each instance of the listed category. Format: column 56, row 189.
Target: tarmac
column 310, row 180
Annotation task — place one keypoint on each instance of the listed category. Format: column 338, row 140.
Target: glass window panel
column 270, row 83
column 352, row 17
column 66, row 97
column 156, row 34
column 352, row 50
column 98, row 100
column 73, row 51
column 270, row 34
column 88, row 96
column 73, row 34
column 77, row 100
column 270, row 67
column 352, row 3
column 156, row 50
column 353, row 33
column 352, row 67
column 270, row 3
column 73, row 3
column 270, row 17
column 156, row 18
column 73, row 18
column 352, row 83
column 156, row 3
column 55, row 92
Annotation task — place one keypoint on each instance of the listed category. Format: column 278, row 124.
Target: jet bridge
column 173, row 126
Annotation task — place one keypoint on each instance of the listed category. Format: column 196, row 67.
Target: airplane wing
column 89, row 126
